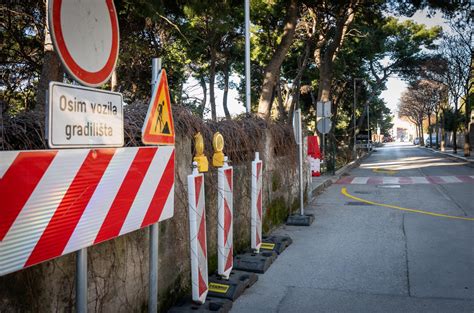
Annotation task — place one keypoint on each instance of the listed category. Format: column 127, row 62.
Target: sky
column 395, row 86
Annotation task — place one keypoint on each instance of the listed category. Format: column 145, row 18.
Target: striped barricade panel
column 58, row 201
column 256, row 200
column 197, row 234
column 225, row 221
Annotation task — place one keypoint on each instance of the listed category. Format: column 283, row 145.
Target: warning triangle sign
column 158, row 128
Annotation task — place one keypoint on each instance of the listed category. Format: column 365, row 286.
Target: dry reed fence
column 243, row 135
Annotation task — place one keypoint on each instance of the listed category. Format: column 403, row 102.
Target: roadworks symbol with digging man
column 158, row 128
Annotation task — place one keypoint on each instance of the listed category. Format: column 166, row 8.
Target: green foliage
column 275, row 214
column 21, row 53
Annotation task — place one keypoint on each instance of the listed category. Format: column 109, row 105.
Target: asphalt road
column 360, row 257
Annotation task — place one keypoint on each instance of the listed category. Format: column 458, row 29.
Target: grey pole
column 81, row 268
column 354, row 120
column 81, row 280
column 300, row 155
column 247, row 55
column 368, row 125
column 153, row 229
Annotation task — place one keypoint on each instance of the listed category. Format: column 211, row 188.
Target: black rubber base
column 300, row 220
column 233, row 287
column 211, row 305
column 255, row 262
column 276, row 243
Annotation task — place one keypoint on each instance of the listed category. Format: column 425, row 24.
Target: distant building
column 403, row 130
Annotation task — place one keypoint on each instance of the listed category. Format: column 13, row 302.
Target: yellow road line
column 345, row 193
column 378, row 170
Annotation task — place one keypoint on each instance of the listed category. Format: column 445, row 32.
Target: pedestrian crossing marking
column 406, row 180
column 360, row 180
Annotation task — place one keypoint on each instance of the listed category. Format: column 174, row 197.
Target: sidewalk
column 458, row 157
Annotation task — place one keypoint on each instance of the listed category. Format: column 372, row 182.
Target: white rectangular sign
column 323, row 109
column 84, row 117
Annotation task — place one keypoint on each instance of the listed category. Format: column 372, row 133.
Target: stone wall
column 118, row 269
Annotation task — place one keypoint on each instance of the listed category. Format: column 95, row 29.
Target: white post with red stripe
column 197, row 234
column 225, row 220
column 256, row 204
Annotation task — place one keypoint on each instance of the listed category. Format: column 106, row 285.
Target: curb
column 453, row 157
column 332, row 179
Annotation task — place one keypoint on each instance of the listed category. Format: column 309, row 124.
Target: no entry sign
column 86, row 37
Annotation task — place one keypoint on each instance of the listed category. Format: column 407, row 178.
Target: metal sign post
column 81, row 280
column 153, row 230
column 299, row 142
column 247, row 56
column 301, row 219
column 323, row 113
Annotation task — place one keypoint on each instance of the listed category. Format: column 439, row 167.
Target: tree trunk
column 271, row 71
column 443, row 132
column 437, row 130
column 429, row 130
column 346, row 16
column 113, row 81
column 467, row 127
column 422, row 142
column 297, row 81
column 212, row 77
column 201, row 108
column 455, row 127
column 50, row 71
column 226, row 91
column 281, row 106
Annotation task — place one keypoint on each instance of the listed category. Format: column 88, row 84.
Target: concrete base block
column 212, row 304
column 255, row 262
column 300, row 220
column 233, row 287
column 276, row 243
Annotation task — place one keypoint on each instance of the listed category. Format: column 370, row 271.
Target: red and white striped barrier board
column 256, row 200
column 197, row 234
column 54, row 202
column 315, row 164
column 406, row 180
column 225, row 221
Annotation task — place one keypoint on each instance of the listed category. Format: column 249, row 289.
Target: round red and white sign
column 86, row 36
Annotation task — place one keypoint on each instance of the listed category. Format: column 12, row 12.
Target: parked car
column 416, row 141
column 432, row 139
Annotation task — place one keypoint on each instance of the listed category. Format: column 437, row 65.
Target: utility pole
column 247, row 56
column 354, row 152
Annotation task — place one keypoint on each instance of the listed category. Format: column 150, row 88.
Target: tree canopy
column 301, row 52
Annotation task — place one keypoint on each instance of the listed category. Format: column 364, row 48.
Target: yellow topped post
column 200, row 158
